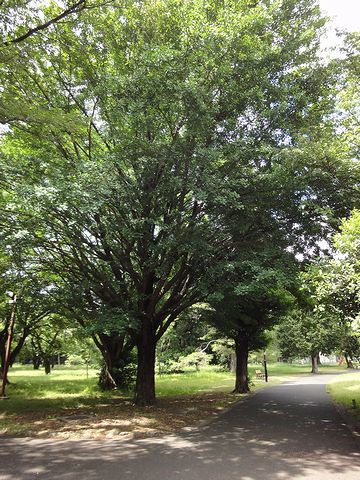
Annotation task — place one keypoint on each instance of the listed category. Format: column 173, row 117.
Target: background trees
column 334, row 284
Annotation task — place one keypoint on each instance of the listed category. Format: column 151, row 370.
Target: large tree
column 148, row 126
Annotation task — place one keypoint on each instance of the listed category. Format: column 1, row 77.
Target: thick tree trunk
column 242, row 374
column 145, row 379
column 314, row 364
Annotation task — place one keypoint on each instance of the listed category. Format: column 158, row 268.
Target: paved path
column 290, row 431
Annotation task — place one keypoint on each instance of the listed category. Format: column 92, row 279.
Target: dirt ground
column 120, row 418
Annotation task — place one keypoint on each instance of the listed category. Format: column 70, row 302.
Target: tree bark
column 145, row 379
column 36, row 362
column 314, row 363
column 47, row 366
column 348, row 361
column 242, row 374
column 233, row 363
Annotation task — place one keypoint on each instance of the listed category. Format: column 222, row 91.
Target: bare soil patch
column 120, row 418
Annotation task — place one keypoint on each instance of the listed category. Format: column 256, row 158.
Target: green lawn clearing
column 37, row 402
column 346, row 389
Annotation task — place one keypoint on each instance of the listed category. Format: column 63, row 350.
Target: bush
column 195, row 359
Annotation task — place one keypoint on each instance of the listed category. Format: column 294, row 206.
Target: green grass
column 65, row 387
column 32, row 393
column 68, row 387
column 346, row 389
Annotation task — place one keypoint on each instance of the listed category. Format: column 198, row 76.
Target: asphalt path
column 290, row 431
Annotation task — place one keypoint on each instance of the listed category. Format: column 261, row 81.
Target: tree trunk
column 3, row 339
column 233, row 363
column 314, row 363
column 36, row 362
column 116, row 354
column 348, row 361
column 47, row 365
column 145, row 379
column 242, row 374
column 318, row 359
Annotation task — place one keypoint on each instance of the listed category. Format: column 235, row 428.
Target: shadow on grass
column 288, row 432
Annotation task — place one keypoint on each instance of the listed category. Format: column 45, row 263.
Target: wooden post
column 265, row 367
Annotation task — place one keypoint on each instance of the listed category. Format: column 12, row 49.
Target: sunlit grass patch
column 346, row 389
column 37, row 400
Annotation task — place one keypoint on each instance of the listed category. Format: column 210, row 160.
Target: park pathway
column 290, row 431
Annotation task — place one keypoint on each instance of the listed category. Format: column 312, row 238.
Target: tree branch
column 80, row 5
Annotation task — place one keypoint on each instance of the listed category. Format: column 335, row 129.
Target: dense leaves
column 149, row 144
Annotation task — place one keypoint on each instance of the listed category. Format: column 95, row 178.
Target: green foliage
column 187, row 334
column 223, row 350
column 195, row 359
column 303, row 333
column 334, row 284
column 158, row 141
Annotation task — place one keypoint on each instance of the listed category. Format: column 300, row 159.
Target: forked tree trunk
column 145, row 379
column 314, row 364
column 116, row 354
column 242, row 374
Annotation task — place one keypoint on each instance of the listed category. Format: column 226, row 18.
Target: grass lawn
column 346, row 389
column 38, row 402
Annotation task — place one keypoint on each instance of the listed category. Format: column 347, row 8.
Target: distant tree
column 47, row 342
column 302, row 333
column 249, row 300
column 334, row 284
column 36, row 299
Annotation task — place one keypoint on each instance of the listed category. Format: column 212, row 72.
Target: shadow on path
column 291, row 431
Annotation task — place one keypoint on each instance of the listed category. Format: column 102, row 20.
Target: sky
column 346, row 16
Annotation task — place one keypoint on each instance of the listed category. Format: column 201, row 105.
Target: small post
column 265, row 367
column 8, row 344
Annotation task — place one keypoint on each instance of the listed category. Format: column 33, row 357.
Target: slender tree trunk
column 3, row 339
column 47, row 365
column 242, row 374
column 145, row 379
column 233, row 363
column 348, row 361
column 314, row 364
column 36, row 362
